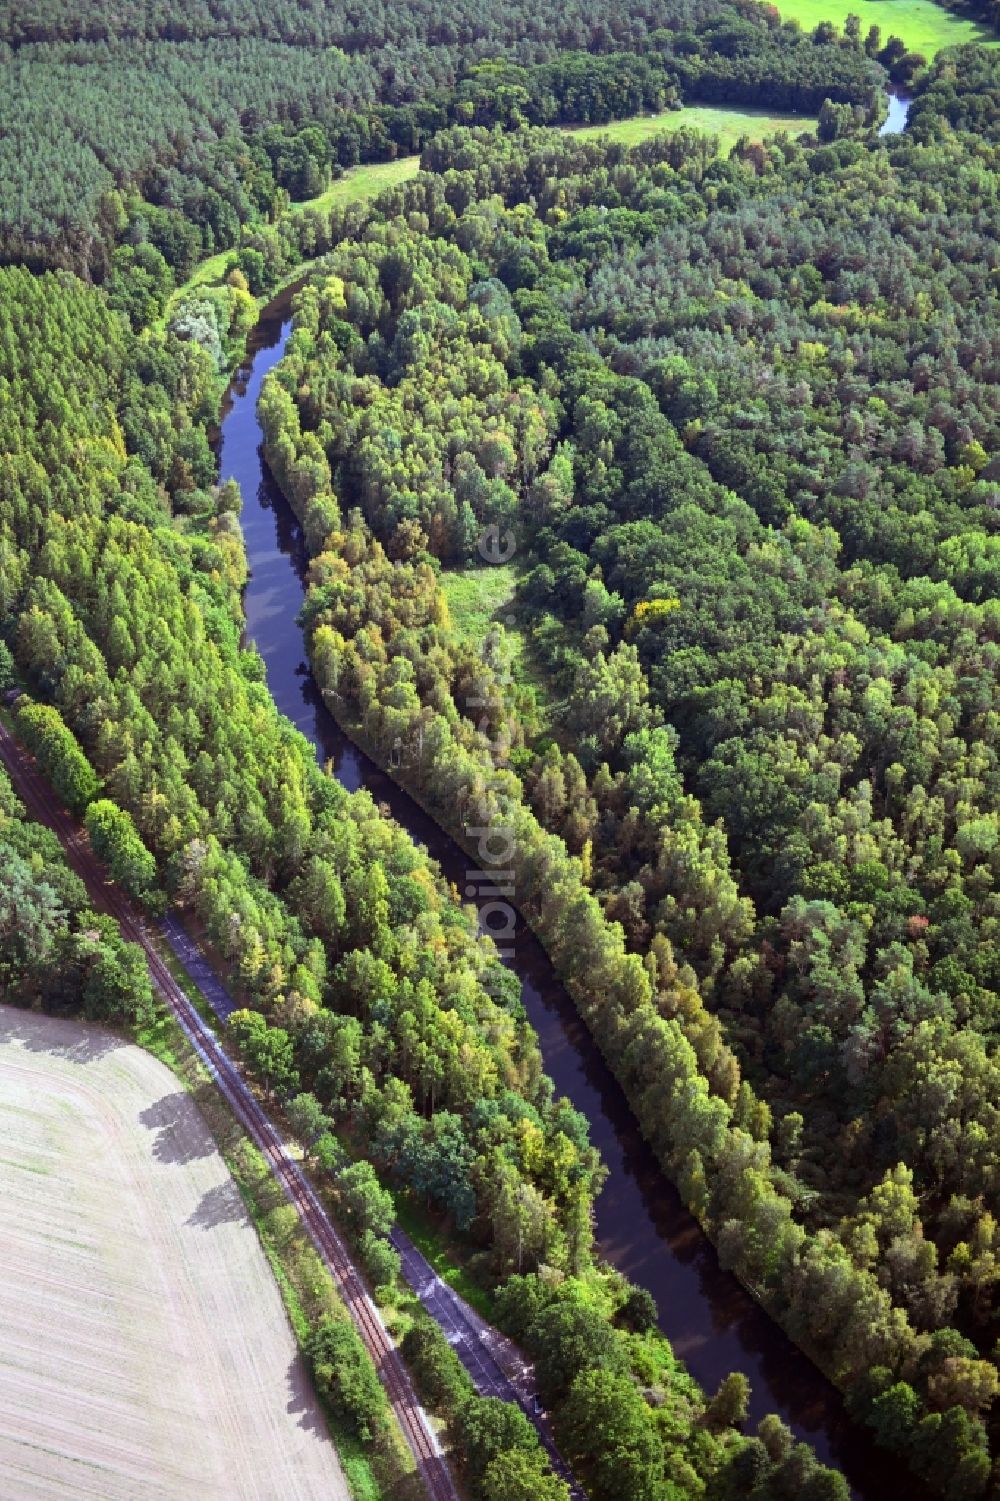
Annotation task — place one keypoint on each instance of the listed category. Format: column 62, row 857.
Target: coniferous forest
column 733, row 690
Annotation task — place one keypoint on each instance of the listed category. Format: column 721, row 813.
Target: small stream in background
column 899, row 111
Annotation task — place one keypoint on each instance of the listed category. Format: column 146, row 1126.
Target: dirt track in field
column 144, row 1352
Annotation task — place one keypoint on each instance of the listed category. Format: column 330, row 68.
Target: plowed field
column 145, row 1351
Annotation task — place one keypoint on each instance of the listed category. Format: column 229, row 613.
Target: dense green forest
column 173, row 132
column 741, row 417
column 128, row 622
column 56, row 951
column 370, row 1001
column 738, row 704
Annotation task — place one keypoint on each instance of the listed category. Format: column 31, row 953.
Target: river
column 899, row 110
column 642, row 1227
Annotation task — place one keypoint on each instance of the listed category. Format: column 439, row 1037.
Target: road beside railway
column 413, row 1420
column 496, row 1366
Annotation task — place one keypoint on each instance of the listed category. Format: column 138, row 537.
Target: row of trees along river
column 642, row 1227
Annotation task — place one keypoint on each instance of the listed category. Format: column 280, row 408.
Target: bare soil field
column 145, row 1352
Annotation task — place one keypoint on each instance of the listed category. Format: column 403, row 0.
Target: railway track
column 412, row 1418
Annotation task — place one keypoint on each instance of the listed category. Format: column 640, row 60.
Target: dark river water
column 642, row 1227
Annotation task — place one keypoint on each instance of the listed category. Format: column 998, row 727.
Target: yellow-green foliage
column 924, row 26
column 728, row 124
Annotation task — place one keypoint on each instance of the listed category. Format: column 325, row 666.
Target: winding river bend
column 642, row 1227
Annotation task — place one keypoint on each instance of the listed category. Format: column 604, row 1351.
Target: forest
column 370, row 1003
column 54, row 949
column 737, row 703
column 743, row 727
column 220, row 122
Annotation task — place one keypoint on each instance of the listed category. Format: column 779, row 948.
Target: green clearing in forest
column 924, row 26
column 362, row 182
column 727, row 124
column 476, row 596
column 354, row 187
column 482, row 594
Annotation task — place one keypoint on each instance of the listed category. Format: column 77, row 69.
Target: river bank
column 642, row 1227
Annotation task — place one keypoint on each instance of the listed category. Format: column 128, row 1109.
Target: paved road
column 497, row 1367
column 413, row 1420
column 198, row 967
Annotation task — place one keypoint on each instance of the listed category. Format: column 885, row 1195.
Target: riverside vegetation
column 366, row 987
column 759, row 856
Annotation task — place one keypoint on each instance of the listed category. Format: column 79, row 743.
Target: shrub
column 346, row 1377
column 58, row 754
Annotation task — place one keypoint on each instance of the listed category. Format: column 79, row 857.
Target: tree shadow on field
column 181, row 1134
column 220, row 1205
column 302, row 1402
column 60, row 1037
